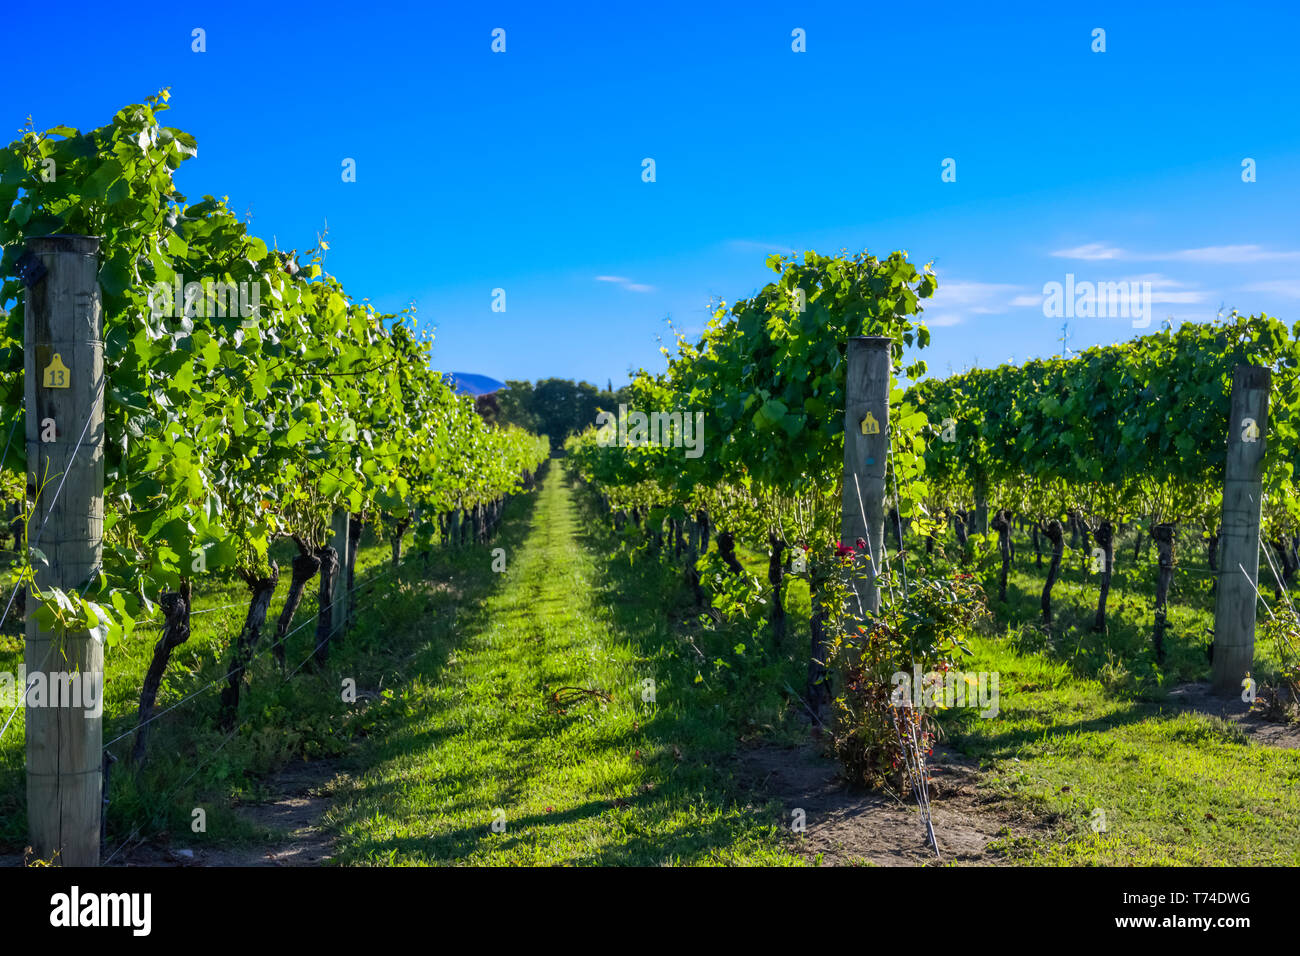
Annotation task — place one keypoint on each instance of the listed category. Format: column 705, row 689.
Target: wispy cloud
column 1167, row 291
column 1230, row 255
column 1091, row 251
column 1164, row 290
column 956, row 299
column 626, row 283
column 1245, row 254
column 1287, row 287
column 981, row 297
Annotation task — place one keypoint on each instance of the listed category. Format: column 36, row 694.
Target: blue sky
column 523, row 170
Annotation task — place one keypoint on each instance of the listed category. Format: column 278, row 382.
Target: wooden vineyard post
column 981, row 506
column 64, row 392
column 866, row 452
column 1234, row 606
column 862, row 507
column 340, row 541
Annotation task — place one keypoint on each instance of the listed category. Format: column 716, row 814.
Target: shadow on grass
column 403, row 616
column 1013, row 741
column 1128, row 639
column 653, row 611
column 675, row 802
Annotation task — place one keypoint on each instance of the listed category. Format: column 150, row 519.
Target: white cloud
column 1157, row 280
column 955, row 299
column 1163, row 289
column 1229, row 255
column 1117, row 296
column 1214, row 255
column 626, row 283
column 986, row 296
column 1091, row 251
column 1287, row 287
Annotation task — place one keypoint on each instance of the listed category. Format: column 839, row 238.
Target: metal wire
column 174, row 790
column 90, row 415
column 918, row 777
column 230, row 736
column 227, row 676
column 898, row 516
column 210, row 610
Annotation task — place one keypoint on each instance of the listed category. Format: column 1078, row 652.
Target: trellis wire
column 230, row 736
column 214, row 683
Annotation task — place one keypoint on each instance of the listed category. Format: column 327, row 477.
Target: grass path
column 1089, row 738
column 282, row 722
column 617, row 781
column 459, row 666
column 1128, row 781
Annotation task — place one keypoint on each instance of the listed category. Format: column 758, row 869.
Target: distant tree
column 609, row 401
column 516, row 406
column 563, row 407
column 488, row 408
column 555, row 406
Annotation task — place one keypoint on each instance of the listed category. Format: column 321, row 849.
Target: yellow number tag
column 56, row 373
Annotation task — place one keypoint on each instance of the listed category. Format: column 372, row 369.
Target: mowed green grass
column 618, row 781
column 1087, row 738
column 191, row 763
column 1123, row 781
column 457, row 665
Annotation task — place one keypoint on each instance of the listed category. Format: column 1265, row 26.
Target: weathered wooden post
column 1234, row 606
column 64, row 371
column 866, row 453
column 340, row 541
column 356, row 525
column 981, row 505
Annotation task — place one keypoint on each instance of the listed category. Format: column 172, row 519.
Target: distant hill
column 467, row 383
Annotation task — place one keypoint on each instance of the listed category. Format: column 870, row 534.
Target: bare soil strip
column 854, row 827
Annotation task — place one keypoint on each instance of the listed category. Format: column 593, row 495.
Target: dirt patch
column 1270, row 733
column 299, row 797
column 847, row 826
